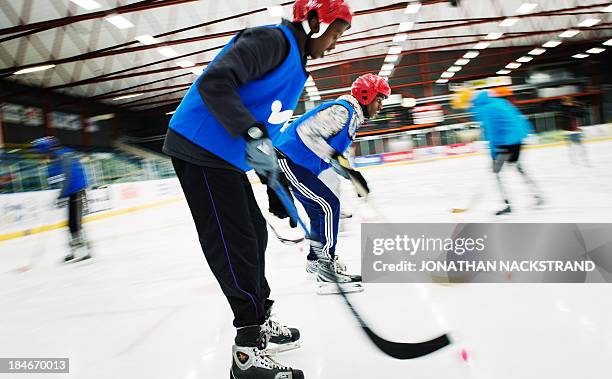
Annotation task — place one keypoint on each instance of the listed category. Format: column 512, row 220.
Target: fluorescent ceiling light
column 551, row 44
column 513, row 65
column 34, row 69
column 405, row 26
column 454, row 69
column 387, row 67
column 509, row 22
column 569, row 33
column 87, row 4
column 503, row 72
column 462, row 62
column 493, row 36
column 413, row 8
column 276, row 11
column 524, row 59
column 471, row 54
column 526, row 8
column 197, row 71
column 119, row 21
column 128, row 96
column 400, row 37
column 391, row 58
column 481, row 45
column 184, row 63
column 580, row 56
column 537, row 51
column 147, row 39
column 393, row 50
column 607, row 9
column 589, row 22
column 315, row 98
column 442, row 81
column 167, row 52
column 384, row 73
column 596, row 50
column 608, row 42
column 446, row 75
column 171, row 112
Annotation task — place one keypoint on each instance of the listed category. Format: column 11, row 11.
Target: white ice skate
column 333, row 279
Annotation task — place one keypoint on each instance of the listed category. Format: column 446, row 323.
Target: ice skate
column 281, row 337
column 79, row 250
column 504, row 211
column 256, row 363
column 332, row 278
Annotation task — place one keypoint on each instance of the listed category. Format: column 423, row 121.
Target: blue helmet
column 44, row 145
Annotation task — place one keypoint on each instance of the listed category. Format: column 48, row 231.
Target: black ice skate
column 255, row 363
column 282, row 337
column 331, row 274
column 504, row 211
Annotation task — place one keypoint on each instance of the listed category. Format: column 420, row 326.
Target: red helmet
column 327, row 10
column 366, row 87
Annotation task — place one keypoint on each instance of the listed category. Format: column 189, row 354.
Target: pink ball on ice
column 464, row 355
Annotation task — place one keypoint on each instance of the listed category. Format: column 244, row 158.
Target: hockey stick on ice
column 397, row 350
column 286, row 241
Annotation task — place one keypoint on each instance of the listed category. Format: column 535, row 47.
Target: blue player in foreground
column 223, row 127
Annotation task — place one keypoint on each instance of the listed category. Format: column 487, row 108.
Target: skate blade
column 332, row 288
column 288, row 241
column 273, row 348
column 79, row 259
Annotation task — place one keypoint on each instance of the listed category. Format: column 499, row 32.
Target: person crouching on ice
column 315, row 142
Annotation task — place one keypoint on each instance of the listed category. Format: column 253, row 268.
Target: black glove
column 260, row 153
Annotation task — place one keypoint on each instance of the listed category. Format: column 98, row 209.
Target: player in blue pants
column 314, row 143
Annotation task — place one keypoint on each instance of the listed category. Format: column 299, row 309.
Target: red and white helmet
column 328, row 11
column 366, row 87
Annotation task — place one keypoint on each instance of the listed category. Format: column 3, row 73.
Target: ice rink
column 148, row 307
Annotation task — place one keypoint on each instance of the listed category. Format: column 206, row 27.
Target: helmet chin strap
column 364, row 109
column 310, row 33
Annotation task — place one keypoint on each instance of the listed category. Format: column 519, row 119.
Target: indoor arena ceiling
column 142, row 54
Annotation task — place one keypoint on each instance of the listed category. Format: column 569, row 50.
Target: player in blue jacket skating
column 67, row 170
column 505, row 128
column 223, row 127
column 314, row 143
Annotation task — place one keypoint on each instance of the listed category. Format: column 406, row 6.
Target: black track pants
column 232, row 233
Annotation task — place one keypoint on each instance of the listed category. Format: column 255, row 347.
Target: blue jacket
column 67, row 162
column 501, row 122
column 274, row 95
column 290, row 143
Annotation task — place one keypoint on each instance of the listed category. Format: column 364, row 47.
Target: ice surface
column 148, row 307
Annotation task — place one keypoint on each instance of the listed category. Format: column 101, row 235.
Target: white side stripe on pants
column 327, row 210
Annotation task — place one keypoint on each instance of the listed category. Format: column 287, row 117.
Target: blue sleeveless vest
column 290, row 143
column 274, row 94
